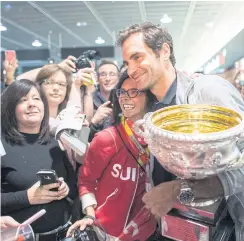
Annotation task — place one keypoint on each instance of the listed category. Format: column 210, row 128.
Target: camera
column 83, row 60
column 88, row 234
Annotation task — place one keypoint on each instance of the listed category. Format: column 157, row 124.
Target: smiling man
column 107, row 78
column 148, row 53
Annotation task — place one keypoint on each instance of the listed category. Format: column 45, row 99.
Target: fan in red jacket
column 113, row 178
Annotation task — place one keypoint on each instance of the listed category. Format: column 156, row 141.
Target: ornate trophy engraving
column 194, row 142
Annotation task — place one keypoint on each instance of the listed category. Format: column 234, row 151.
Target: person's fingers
column 64, row 193
column 84, row 75
column 51, row 186
column 87, row 70
column 74, row 226
column 61, row 179
column 70, row 63
column 70, row 57
column 85, row 79
column 106, row 104
column 93, row 64
column 62, row 188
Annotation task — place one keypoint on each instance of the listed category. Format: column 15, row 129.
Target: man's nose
column 131, row 70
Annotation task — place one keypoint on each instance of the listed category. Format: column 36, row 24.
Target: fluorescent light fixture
column 166, row 19
column 209, row 24
column 81, row 24
column 36, row 43
column 99, row 40
column 2, row 27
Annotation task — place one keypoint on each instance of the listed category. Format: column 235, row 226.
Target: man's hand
column 102, row 112
column 160, row 200
column 69, row 64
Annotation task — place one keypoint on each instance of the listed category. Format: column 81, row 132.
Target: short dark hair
column 115, row 102
column 47, row 71
column 104, row 62
column 154, row 37
column 9, row 100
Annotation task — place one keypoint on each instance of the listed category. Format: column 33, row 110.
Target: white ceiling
column 54, row 24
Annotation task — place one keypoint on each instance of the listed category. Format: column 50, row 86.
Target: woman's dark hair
column 9, row 100
column 115, row 102
column 47, row 71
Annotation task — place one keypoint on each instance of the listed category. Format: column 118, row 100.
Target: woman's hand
column 81, row 224
column 63, row 190
column 69, row 64
column 38, row 194
column 8, row 222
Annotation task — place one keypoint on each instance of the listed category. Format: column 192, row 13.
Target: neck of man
column 104, row 94
column 165, row 81
column 53, row 111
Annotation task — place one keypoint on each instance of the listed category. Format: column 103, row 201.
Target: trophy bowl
column 193, row 141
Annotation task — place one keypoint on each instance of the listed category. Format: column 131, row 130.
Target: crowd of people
column 117, row 186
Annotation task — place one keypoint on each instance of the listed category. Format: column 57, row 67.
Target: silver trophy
column 194, row 141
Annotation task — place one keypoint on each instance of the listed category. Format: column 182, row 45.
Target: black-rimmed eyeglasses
column 132, row 93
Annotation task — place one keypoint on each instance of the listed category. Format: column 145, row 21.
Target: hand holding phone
column 10, row 56
column 48, row 176
column 38, row 194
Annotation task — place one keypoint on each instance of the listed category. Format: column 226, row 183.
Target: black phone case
column 48, row 178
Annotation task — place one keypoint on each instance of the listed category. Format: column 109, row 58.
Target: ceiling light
column 2, row 27
column 166, row 19
column 81, row 24
column 99, row 40
column 209, row 24
column 7, row 7
column 37, row 43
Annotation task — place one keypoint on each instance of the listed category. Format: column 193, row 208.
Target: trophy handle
column 140, row 128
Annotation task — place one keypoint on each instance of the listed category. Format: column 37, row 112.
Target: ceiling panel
column 195, row 27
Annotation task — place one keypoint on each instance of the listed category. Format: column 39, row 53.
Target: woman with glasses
column 113, row 177
column 56, row 84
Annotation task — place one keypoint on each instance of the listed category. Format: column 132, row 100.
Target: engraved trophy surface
column 194, row 142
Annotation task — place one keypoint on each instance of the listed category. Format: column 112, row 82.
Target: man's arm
column 217, row 91
column 212, row 91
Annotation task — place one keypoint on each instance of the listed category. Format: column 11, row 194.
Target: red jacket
column 111, row 174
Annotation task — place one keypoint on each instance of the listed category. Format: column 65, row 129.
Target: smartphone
column 48, row 176
column 10, row 55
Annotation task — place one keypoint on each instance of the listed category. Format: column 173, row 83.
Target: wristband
column 91, row 217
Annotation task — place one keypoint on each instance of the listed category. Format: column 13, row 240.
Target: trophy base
column 208, row 223
column 202, row 203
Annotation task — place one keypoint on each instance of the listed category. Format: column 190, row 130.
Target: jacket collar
column 184, row 86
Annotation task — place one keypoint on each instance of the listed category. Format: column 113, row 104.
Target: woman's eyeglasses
column 48, row 82
column 132, row 93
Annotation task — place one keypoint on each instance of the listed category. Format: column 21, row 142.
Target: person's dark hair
column 115, row 102
column 47, row 71
column 9, row 100
column 154, row 37
column 104, row 62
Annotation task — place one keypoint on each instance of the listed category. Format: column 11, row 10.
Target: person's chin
column 35, row 121
column 55, row 101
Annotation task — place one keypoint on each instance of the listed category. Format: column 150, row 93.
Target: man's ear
column 165, row 52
